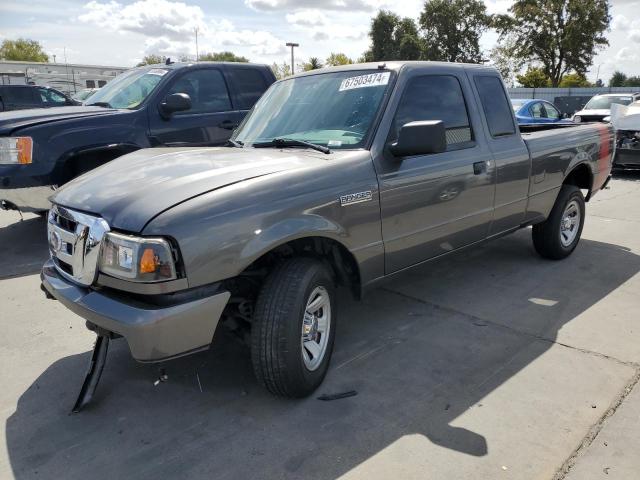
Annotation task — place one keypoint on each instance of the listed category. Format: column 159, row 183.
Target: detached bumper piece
column 96, row 365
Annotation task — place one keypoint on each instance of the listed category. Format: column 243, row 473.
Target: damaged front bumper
column 154, row 332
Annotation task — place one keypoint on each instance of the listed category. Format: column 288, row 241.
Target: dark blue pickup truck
column 169, row 105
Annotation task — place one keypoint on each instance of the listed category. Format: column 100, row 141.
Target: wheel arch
column 582, row 177
column 333, row 253
column 81, row 160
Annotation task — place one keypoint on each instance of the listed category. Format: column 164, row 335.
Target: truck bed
column 556, row 149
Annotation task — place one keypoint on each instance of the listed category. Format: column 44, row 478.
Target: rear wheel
column 559, row 235
column 294, row 328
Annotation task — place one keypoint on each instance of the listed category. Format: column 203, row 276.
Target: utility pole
column 292, row 45
column 197, row 53
column 598, row 73
column 66, row 66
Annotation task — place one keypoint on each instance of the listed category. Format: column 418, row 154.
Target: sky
column 121, row 32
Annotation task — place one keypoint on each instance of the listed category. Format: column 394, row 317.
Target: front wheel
column 559, row 235
column 294, row 328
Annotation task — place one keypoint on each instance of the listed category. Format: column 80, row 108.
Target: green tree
column 451, row 29
column 560, row 35
column 618, row 79
column 24, row 50
column 504, row 60
column 151, row 59
column 335, row 59
column 281, row 70
column 574, row 80
column 222, row 57
column 632, row 82
column 533, row 78
column 314, row 63
column 393, row 38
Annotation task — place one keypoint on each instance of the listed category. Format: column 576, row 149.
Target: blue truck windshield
column 129, row 89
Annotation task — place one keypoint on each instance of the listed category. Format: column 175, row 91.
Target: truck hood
column 130, row 191
column 15, row 119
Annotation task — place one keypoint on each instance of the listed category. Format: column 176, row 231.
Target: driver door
column 211, row 119
column 433, row 204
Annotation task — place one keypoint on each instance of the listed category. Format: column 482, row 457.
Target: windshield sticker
column 362, row 81
column 157, row 71
column 334, row 143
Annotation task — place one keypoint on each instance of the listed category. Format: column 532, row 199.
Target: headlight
column 577, row 118
column 16, row 150
column 137, row 259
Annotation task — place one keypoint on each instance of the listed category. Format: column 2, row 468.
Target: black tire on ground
column 547, row 235
column 276, row 331
column 1, row 106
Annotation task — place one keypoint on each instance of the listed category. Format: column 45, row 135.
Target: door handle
column 228, row 125
column 479, row 168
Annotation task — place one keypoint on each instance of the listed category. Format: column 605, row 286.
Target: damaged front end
column 157, row 325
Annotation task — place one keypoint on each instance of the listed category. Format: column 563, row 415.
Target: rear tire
column 558, row 236
column 295, row 308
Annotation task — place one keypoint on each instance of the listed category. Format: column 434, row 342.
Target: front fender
column 287, row 230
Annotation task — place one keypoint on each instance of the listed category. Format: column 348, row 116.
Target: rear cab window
column 248, row 85
column 495, row 104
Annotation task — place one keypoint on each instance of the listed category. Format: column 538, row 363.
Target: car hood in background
column 14, row 119
column 586, row 113
column 130, row 191
column 625, row 117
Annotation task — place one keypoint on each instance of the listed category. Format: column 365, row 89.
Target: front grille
column 74, row 243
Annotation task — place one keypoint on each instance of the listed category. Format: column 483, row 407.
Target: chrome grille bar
column 74, row 243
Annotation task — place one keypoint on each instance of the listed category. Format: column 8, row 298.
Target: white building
column 68, row 78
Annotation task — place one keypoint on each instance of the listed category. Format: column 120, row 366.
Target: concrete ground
column 492, row 363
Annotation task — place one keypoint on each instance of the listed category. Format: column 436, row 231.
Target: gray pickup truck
column 340, row 177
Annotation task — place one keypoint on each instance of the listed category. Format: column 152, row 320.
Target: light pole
column 292, row 45
column 598, row 73
column 196, row 44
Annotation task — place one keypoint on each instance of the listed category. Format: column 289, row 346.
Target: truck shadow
column 23, row 245
column 417, row 356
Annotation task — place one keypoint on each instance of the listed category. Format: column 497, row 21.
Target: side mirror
column 176, row 102
column 420, row 138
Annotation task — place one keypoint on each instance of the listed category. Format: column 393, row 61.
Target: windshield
column 83, row 94
column 600, row 102
column 129, row 89
column 517, row 104
column 336, row 110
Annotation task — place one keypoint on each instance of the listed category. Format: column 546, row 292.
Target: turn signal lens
column 16, row 150
column 24, row 146
column 148, row 261
column 139, row 259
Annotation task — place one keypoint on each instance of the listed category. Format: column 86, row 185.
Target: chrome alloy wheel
column 570, row 223
column 316, row 325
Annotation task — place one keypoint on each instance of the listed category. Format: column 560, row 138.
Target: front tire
column 293, row 328
column 558, row 236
